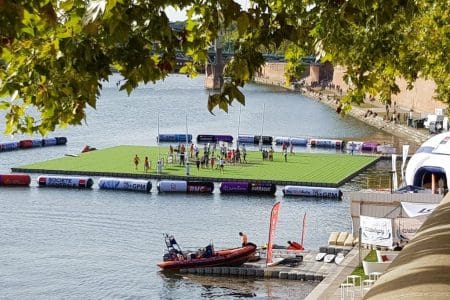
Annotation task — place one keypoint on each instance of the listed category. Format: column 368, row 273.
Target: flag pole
column 239, row 127
column 262, row 128
column 303, row 228
column 159, row 150
column 186, row 158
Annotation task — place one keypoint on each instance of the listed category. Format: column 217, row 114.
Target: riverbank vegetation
column 326, row 169
column 54, row 55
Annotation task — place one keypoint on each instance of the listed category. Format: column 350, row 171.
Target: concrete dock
column 299, row 265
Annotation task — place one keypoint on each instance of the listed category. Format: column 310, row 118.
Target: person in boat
column 209, row 251
column 244, row 239
column 294, row 246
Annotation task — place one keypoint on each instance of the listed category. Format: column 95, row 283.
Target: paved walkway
column 329, row 288
column 409, row 133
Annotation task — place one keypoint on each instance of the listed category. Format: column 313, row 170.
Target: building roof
column 422, row 269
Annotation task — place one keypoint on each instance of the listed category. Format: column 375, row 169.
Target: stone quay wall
column 273, row 74
column 421, row 98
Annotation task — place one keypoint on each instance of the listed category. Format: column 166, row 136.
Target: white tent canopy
column 413, row 210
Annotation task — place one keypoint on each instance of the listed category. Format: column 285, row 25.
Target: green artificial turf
column 300, row 167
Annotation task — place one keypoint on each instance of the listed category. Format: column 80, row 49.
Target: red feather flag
column 272, row 228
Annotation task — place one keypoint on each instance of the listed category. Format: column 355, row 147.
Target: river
column 78, row 244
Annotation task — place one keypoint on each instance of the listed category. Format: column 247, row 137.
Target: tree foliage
column 54, row 54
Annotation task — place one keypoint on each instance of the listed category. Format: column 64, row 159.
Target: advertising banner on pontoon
column 417, row 209
column 376, row 231
column 406, row 228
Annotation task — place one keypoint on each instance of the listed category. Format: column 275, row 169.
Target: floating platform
column 305, row 169
column 297, row 265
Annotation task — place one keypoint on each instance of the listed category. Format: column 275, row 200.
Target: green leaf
column 242, row 23
column 238, row 95
column 223, row 104
column 4, row 105
column 27, row 30
column 66, row 5
column 190, row 24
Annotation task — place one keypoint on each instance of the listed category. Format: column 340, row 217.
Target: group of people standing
column 181, row 150
column 147, row 163
column 210, row 158
column 268, row 154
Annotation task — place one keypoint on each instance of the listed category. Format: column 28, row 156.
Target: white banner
column 406, row 228
column 394, row 172
column 418, row 209
column 404, row 157
column 376, row 231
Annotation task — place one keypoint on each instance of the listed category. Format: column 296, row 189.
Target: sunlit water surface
column 78, row 244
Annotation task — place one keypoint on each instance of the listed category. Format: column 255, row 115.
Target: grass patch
column 372, row 257
column 329, row 169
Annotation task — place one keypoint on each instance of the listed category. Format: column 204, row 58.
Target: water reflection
column 233, row 287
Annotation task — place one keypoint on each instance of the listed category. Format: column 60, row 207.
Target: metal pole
column 359, row 243
column 262, row 128
column 159, row 151
column 186, row 157
column 391, row 182
column 239, row 127
column 159, row 163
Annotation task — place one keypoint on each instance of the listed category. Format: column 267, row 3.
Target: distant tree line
column 54, row 54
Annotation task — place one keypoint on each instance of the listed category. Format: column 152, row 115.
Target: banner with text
column 406, row 228
column 376, row 231
column 418, row 209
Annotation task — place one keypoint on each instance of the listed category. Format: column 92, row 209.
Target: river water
column 78, row 244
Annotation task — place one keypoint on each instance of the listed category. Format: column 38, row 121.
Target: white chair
column 354, row 279
column 347, row 291
column 366, row 285
column 374, row 275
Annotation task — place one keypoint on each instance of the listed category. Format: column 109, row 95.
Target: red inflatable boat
column 177, row 259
